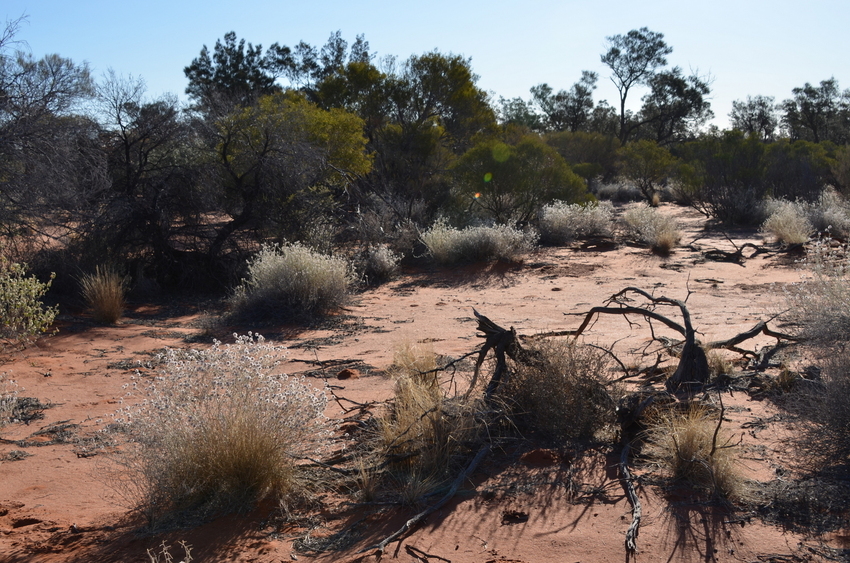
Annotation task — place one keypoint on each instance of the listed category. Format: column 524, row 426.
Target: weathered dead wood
column 415, row 520
column 760, row 328
column 693, row 365
column 628, row 484
column 504, row 342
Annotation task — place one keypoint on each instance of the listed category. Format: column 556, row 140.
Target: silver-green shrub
column 448, row 245
column 787, row 221
column 293, row 278
column 647, row 225
column 217, row 430
column 562, row 222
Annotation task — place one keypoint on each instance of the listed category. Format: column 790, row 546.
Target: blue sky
column 749, row 47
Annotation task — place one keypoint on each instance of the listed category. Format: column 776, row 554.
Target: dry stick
column 634, row 527
column 423, row 556
column 380, row 547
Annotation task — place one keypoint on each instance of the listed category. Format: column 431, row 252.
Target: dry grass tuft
column 104, row 292
column 787, row 222
column 691, row 447
column 568, row 395
column 819, row 305
column 424, row 436
column 649, row 226
column 218, row 430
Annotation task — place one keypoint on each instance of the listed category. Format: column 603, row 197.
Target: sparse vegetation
column 787, row 222
column 567, row 395
column 819, row 305
column 23, row 316
column 292, row 278
column 648, row 226
column 689, row 445
column 448, row 245
column 378, row 263
column 216, row 431
column 424, row 436
column 8, row 399
column 561, row 222
column 104, row 292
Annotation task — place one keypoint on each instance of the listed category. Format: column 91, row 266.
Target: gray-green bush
column 292, row 278
column 23, row 316
column 217, row 430
column 448, row 245
column 562, row 222
column 647, row 225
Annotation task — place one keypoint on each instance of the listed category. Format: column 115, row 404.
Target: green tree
column 434, row 111
column 281, row 163
column 755, row 115
column 517, row 111
column 509, row 183
column 675, row 107
column 725, row 174
column 154, row 199
column 567, row 110
column 235, row 74
column 798, row 169
column 647, row 165
column 49, row 160
column 633, row 59
column 589, row 154
column 818, row 113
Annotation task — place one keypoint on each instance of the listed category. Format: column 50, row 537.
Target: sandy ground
column 56, row 504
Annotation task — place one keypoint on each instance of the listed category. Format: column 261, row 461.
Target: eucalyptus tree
column 633, row 59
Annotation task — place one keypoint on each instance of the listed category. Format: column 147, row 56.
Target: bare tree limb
column 411, row 523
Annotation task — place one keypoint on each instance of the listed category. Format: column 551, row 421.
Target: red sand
column 56, row 506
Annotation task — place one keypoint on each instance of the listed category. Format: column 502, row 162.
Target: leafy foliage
column 647, row 165
column 23, row 316
column 508, row 183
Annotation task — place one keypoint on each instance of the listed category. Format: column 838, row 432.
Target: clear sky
column 749, row 47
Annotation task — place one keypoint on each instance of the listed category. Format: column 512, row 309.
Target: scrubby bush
column 619, row 192
column 378, row 263
column 508, row 182
column 8, row 399
column 104, row 292
column 218, row 430
column 787, row 221
column 830, row 213
column 566, row 395
column 425, row 436
column 690, row 446
column 561, row 222
column 795, row 222
column 825, row 404
column 647, row 225
column 819, row 305
column 448, row 245
column 23, row 316
column 292, row 278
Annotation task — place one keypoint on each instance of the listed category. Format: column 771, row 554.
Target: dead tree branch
column 411, row 523
column 628, row 484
